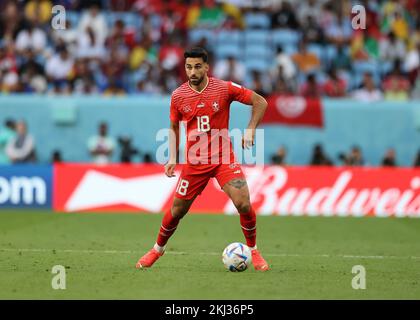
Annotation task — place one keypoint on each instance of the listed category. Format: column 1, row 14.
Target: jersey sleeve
column 239, row 93
column 174, row 113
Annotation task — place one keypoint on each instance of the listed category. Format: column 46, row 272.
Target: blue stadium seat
column 129, row 18
column 156, row 20
column 316, row 49
column 283, row 37
column 257, row 37
column 365, row 66
column 226, row 49
column 290, row 49
column 259, row 51
column 330, row 52
column 385, row 67
column 226, row 36
column 196, row 35
column 73, row 17
column 257, row 20
column 257, row 64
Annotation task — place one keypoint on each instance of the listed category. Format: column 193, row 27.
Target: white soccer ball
column 237, row 257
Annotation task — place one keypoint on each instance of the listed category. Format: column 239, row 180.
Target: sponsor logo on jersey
column 201, row 105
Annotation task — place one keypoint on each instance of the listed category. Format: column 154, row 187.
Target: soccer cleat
column 149, row 259
column 258, row 261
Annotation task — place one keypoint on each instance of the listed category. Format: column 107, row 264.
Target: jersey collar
column 208, row 81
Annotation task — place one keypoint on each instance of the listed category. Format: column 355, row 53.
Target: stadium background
column 355, row 154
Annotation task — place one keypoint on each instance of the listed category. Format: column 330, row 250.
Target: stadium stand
column 245, row 32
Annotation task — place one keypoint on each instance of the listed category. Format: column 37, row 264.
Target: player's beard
column 196, row 82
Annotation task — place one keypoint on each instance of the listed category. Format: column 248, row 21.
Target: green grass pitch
column 310, row 257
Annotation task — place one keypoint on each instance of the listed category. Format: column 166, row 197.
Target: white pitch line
column 344, row 256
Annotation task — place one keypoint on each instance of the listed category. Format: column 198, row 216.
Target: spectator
column 391, row 48
column 21, row 149
column 230, row 69
column 310, row 89
column 171, row 55
column 83, row 81
column 89, row 46
column 341, row 60
column 412, row 63
column 121, row 36
column 101, row 146
column 147, row 158
column 285, row 17
column 31, row 38
column 283, row 67
column 56, row 157
column 368, row 92
column 305, row 61
column 6, row 135
column 93, row 20
column 389, row 158
column 417, row 160
column 59, row 67
column 127, row 149
column 281, row 87
column 396, row 86
column 415, row 93
column 32, row 76
column 319, row 158
column 354, row 158
column 312, row 32
column 114, row 88
column 335, row 86
column 340, row 31
column 38, row 10
column 279, row 157
column 67, row 37
column 9, row 79
column 309, row 9
column 11, row 21
column 260, row 84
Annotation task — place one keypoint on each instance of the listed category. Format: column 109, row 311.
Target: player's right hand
column 170, row 169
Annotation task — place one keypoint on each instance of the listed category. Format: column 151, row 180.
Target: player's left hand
column 248, row 138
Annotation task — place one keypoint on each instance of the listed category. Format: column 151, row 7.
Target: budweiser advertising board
column 275, row 190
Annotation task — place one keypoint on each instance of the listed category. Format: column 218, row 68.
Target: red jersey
column 206, row 114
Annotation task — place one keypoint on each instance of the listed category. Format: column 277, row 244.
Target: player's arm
column 259, row 105
column 173, row 148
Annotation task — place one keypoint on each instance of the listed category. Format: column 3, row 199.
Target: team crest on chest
column 215, row 106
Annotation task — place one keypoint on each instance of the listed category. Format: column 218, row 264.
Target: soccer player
column 203, row 103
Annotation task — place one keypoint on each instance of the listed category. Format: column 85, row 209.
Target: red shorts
column 194, row 178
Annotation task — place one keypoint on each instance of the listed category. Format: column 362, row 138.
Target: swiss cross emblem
column 215, row 106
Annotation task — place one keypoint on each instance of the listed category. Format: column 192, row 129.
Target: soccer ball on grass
column 237, row 257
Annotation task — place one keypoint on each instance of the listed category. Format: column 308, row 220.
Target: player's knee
column 243, row 206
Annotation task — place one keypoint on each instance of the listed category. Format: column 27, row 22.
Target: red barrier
column 274, row 190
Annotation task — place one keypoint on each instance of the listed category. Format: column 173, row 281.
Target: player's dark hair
column 196, row 52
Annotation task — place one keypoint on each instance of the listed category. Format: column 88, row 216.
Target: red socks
column 249, row 227
column 168, row 227
column 248, row 224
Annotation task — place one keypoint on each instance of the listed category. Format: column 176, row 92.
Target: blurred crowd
column 115, row 47
column 353, row 158
column 17, row 146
